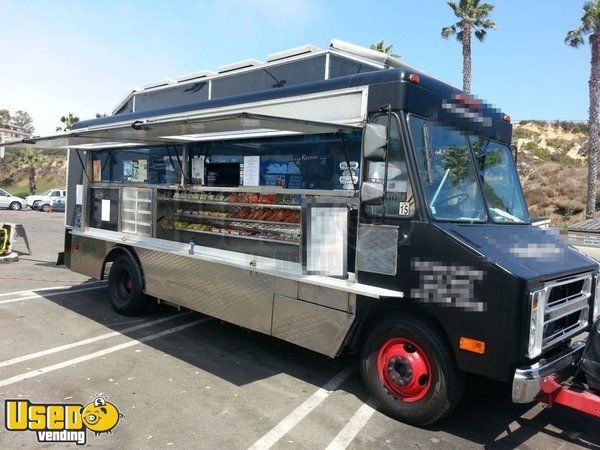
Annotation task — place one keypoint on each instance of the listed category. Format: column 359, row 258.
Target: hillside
column 52, row 174
column 551, row 164
column 552, row 167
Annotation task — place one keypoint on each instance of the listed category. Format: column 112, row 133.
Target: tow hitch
column 583, row 394
column 571, row 396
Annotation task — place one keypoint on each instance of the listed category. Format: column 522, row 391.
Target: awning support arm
column 82, row 165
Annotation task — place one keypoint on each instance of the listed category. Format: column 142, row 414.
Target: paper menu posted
column 105, row 216
column 79, row 194
column 251, row 170
column 198, row 169
column 96, row 171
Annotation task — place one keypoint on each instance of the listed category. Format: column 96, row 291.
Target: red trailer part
column 571, row 397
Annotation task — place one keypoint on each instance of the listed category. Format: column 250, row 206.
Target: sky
column 84, row 57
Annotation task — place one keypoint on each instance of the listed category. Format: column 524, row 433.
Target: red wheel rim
column 128, row 284
column 404, row 369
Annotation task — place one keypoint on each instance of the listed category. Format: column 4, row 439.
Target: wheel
column 410, row 370
column 35, row 204
column 45, row 207
column 15, row 206
column 125, row 286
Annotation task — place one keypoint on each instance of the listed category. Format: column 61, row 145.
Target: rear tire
column 410, row 371
column 15, row 206
column 126, row 287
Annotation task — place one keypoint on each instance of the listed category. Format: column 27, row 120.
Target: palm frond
column 480, row 34
column 574, row 38
column 487, row 24
column 448, row 31
column 456, row 9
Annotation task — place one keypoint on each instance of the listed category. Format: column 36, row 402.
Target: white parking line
column 292, row 419
column 60, row 348
column 353, row 427
column 53, row 288
column 52, row 294
column 106, row 351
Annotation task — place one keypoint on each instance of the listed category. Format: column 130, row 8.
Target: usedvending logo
column 62, row 422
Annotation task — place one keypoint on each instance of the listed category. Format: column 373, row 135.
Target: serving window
column 317, row 161
column 151, row 165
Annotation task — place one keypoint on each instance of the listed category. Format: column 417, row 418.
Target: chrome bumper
column 527, row 380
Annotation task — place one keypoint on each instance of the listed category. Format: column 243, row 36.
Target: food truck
column 338, row 199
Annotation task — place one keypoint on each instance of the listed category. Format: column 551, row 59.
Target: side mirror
column 374, row 142
column 371, row 193
column 515, row 152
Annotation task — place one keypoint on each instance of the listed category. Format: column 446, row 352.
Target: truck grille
column 567, row 308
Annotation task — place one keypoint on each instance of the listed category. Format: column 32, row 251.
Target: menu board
column 326, row 240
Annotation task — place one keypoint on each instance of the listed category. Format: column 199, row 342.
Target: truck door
column 386, row 221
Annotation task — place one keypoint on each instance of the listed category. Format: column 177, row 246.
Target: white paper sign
column 79, row 194
column 251, row 170
column 326, row 243
column 105, row 210
column 198, row 168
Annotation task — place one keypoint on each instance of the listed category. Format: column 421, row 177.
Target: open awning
column 179, row 130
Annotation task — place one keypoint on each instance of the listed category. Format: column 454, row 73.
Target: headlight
column 596, row 305
column 536, row 323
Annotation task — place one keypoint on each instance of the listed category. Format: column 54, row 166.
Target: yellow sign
column 62, row 422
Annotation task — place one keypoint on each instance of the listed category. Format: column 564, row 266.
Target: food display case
column 266, row 217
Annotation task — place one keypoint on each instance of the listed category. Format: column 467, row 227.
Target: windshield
column 447, row 172
column 501, row 187
column 47, row 192
column 449, row 164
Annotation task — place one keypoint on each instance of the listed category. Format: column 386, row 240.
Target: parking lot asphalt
column 185, row 380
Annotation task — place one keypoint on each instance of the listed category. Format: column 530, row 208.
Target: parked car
column 55, row 205
column 10, row 201
column 35, row 201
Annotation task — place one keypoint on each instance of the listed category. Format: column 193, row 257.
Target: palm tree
column 31, row 160
column 473, row 18
column 381, row 46
column 69, row 120
column 590, row 25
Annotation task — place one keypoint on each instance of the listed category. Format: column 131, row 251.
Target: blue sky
column 84, row 56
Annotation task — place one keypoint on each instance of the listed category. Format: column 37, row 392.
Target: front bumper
column 527, row 382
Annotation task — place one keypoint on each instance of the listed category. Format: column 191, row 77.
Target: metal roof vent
column 367, row 53
column 240, row 65
column 308, row 48
column 158, row 84
column 196, row 75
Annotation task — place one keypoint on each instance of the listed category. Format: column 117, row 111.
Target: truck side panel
column 312, row 317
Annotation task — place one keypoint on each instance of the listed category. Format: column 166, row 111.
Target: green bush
column 540, row 152
column 568, row 210
column 21, row 194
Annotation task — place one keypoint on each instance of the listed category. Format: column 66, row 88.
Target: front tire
column 410, row 371
column 126, row 287
column 15, row 206
column 46, row 207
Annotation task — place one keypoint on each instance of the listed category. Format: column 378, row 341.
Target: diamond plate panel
column 239, row 296
column 89, row 256
column 311, row 326
column 377, row 249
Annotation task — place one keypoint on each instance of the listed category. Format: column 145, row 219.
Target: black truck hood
column 526, row 251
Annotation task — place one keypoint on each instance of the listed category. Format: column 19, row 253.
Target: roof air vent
column 196, row 75
column 308, row 48
column 239, row 65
